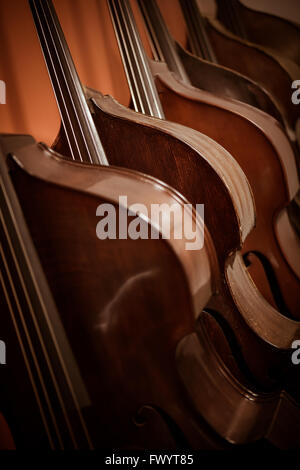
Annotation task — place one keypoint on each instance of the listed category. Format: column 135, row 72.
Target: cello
column 23, row 159
column 64, row 293
column 262, row 28
column 275, row 74
column 205, row 73
column 219, row 119
column 123, row 122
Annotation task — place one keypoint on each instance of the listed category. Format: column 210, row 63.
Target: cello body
column 165, row 416
column 228, row 83
column 106, row 323
column 228, row 310
column 184, row 164
column 275, row 75
column 224, row 120
column 265, row 29
column 70, row 313
column 201, row 67
column 209, row 39
column 227, row 123
column 265, row 415
column 214, row 117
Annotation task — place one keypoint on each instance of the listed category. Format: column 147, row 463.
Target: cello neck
column 142, row 87
column 198, row 38
column 77, row 121
column 163, row 45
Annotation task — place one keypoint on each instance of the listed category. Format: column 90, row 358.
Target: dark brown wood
column 257, row 160
column 229, row 395
column 133, row 379
column 180, row 101
column 181, row 167
column 256, row 64
column 151, row 390
column 63, row 262
column 122, row 16
column 265, row 29
column 228, row 83
column 202, row 71
column 214, row 78
column 101, row 289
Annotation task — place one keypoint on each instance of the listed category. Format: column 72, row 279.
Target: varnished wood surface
column 216, row 215
column 118, row 368
column 240, row 56
column 228, row 83
column 148, row 403
column 268, row 30
column 148, row 420
column 258, row 409
column 231, row 131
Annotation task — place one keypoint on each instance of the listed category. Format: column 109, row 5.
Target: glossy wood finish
column 228, row 83
column 131, row 379
column 221, row 121
column 241, row 205
column 197, row 358
column 261, row 28
column 239, row 55
column 111, row 333
column 133, row 56
column 114, row 331
column 109, row 115
column 164, row 49
column 257, row 360
column 203, row 69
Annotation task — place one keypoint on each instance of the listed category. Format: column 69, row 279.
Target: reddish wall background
column 30, row 104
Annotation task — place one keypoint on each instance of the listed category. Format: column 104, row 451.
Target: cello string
column 84, row 139
column 158, row 32
column 122, row 14
column 131, row 78
column 22, row 347
column 50, row 59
